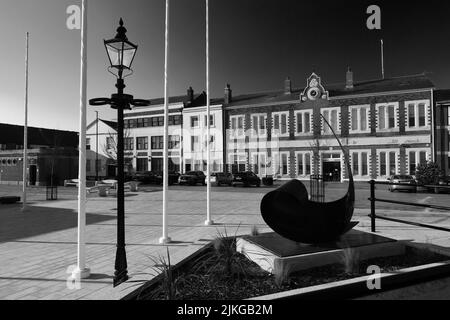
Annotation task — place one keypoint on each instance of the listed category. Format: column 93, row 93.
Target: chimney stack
column 190, row 94
column 228, row 95
column 287, row 86
column 349, row 79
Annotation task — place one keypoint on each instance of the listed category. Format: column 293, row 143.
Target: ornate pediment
column 314, row 89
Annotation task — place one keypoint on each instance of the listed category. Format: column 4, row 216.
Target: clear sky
column 255, row 44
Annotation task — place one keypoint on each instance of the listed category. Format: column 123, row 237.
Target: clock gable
column 314, row 89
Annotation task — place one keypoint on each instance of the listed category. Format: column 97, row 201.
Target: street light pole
column 121, row 273
column 96, row 148
column 121, row 54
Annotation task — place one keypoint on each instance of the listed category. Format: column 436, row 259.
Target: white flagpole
column 165, row 238
column 25, row 132
column 82, row 271
column 382, row 58
column 208, row 221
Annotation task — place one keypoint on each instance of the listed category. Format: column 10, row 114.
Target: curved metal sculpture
column 289, row 212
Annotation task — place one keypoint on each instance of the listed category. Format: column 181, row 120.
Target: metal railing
column 317, row 188
column 373, row 216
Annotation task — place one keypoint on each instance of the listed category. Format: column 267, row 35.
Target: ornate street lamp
column 121, row 54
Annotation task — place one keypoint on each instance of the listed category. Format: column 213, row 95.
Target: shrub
column 428, row 173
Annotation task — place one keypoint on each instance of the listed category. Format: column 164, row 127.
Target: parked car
column 224, row 178
column 173, row 177
column 145, row 177
column 246, row 178
column 192, row 178
column 408, row 183
column 445, row 182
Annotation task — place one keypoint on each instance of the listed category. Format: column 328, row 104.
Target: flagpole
column 165, row 238
column 82, row 271
column 382, row 58
column 25, row 132
column 208, row 221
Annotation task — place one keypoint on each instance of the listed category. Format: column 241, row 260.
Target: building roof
column 13, row 134
column 111, row 124
column 405, row 83
column 442, row 96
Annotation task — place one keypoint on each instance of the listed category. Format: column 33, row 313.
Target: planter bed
column 204, row 276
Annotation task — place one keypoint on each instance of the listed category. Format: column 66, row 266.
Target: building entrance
column 331, row 171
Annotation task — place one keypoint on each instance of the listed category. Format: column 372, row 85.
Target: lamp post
column 96, row 147
column 121, row 53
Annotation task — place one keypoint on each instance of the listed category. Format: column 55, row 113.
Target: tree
column 428, row 173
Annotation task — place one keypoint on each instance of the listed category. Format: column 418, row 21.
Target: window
column 128, row 144
column 211, row 141
column 141, row 164
column 360, row 163
column 88, row 144
column 280, row 123
column 259, row 124
column 303, row 121
column 88, row 165
column 416, row 157
column 142, row 143
column 359, row 116
column 332, row 116
column 387, row 116
column 238, row 162
column 416, row 114
column 175, row 120
column 174, row 142
column 194, row 122
column 387, row 164
column 211, row 121
column 194, row 143
column 110, row 143
column 157, row 142
column 157, row 121
column 237, row 125
column 131, row 123
column 280, row 163
column 304, row 164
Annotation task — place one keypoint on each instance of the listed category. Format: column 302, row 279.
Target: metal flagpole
column 25, row 132
column 165, row 238
column 82, row 271
column 382, row 58
column 208, row 125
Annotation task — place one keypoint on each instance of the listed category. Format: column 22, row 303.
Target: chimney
column 349, row 79
column 287, row 86
column 228, row 95
column 190, row 94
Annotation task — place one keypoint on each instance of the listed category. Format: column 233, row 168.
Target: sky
column 254, row 46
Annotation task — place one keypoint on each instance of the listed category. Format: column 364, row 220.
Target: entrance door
column 332, row 171
column 259, row 164
column 33, row 175
column 112, row 171
column 157, row 164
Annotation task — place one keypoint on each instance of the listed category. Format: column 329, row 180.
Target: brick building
column 50, row 152
column 385, row 124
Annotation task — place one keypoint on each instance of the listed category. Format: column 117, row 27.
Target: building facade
column 51, row 153
column 386, row 126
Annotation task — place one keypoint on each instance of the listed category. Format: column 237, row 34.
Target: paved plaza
column 39, row 246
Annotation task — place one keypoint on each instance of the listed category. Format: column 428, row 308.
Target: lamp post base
column 209, row 222
column 165, row 240
column 81, row 273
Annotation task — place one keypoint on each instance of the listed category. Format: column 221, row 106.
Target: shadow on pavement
column 15, row 224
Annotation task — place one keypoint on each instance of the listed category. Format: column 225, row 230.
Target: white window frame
column 386, row 116
column 242, row 158
column 417, row 151
column 416, row 104
column 205, row 120
column 397, row 165
column 359, row 108
column 360, row 152
column 301, row 113
column 280, row 114
column 303, row 154
column 265, row 166
column 236, row 132
column 256, row 131
column 277, row 164
column 338, row 119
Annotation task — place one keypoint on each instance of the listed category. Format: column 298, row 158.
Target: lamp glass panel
column 128, row 56
column 114, row 55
